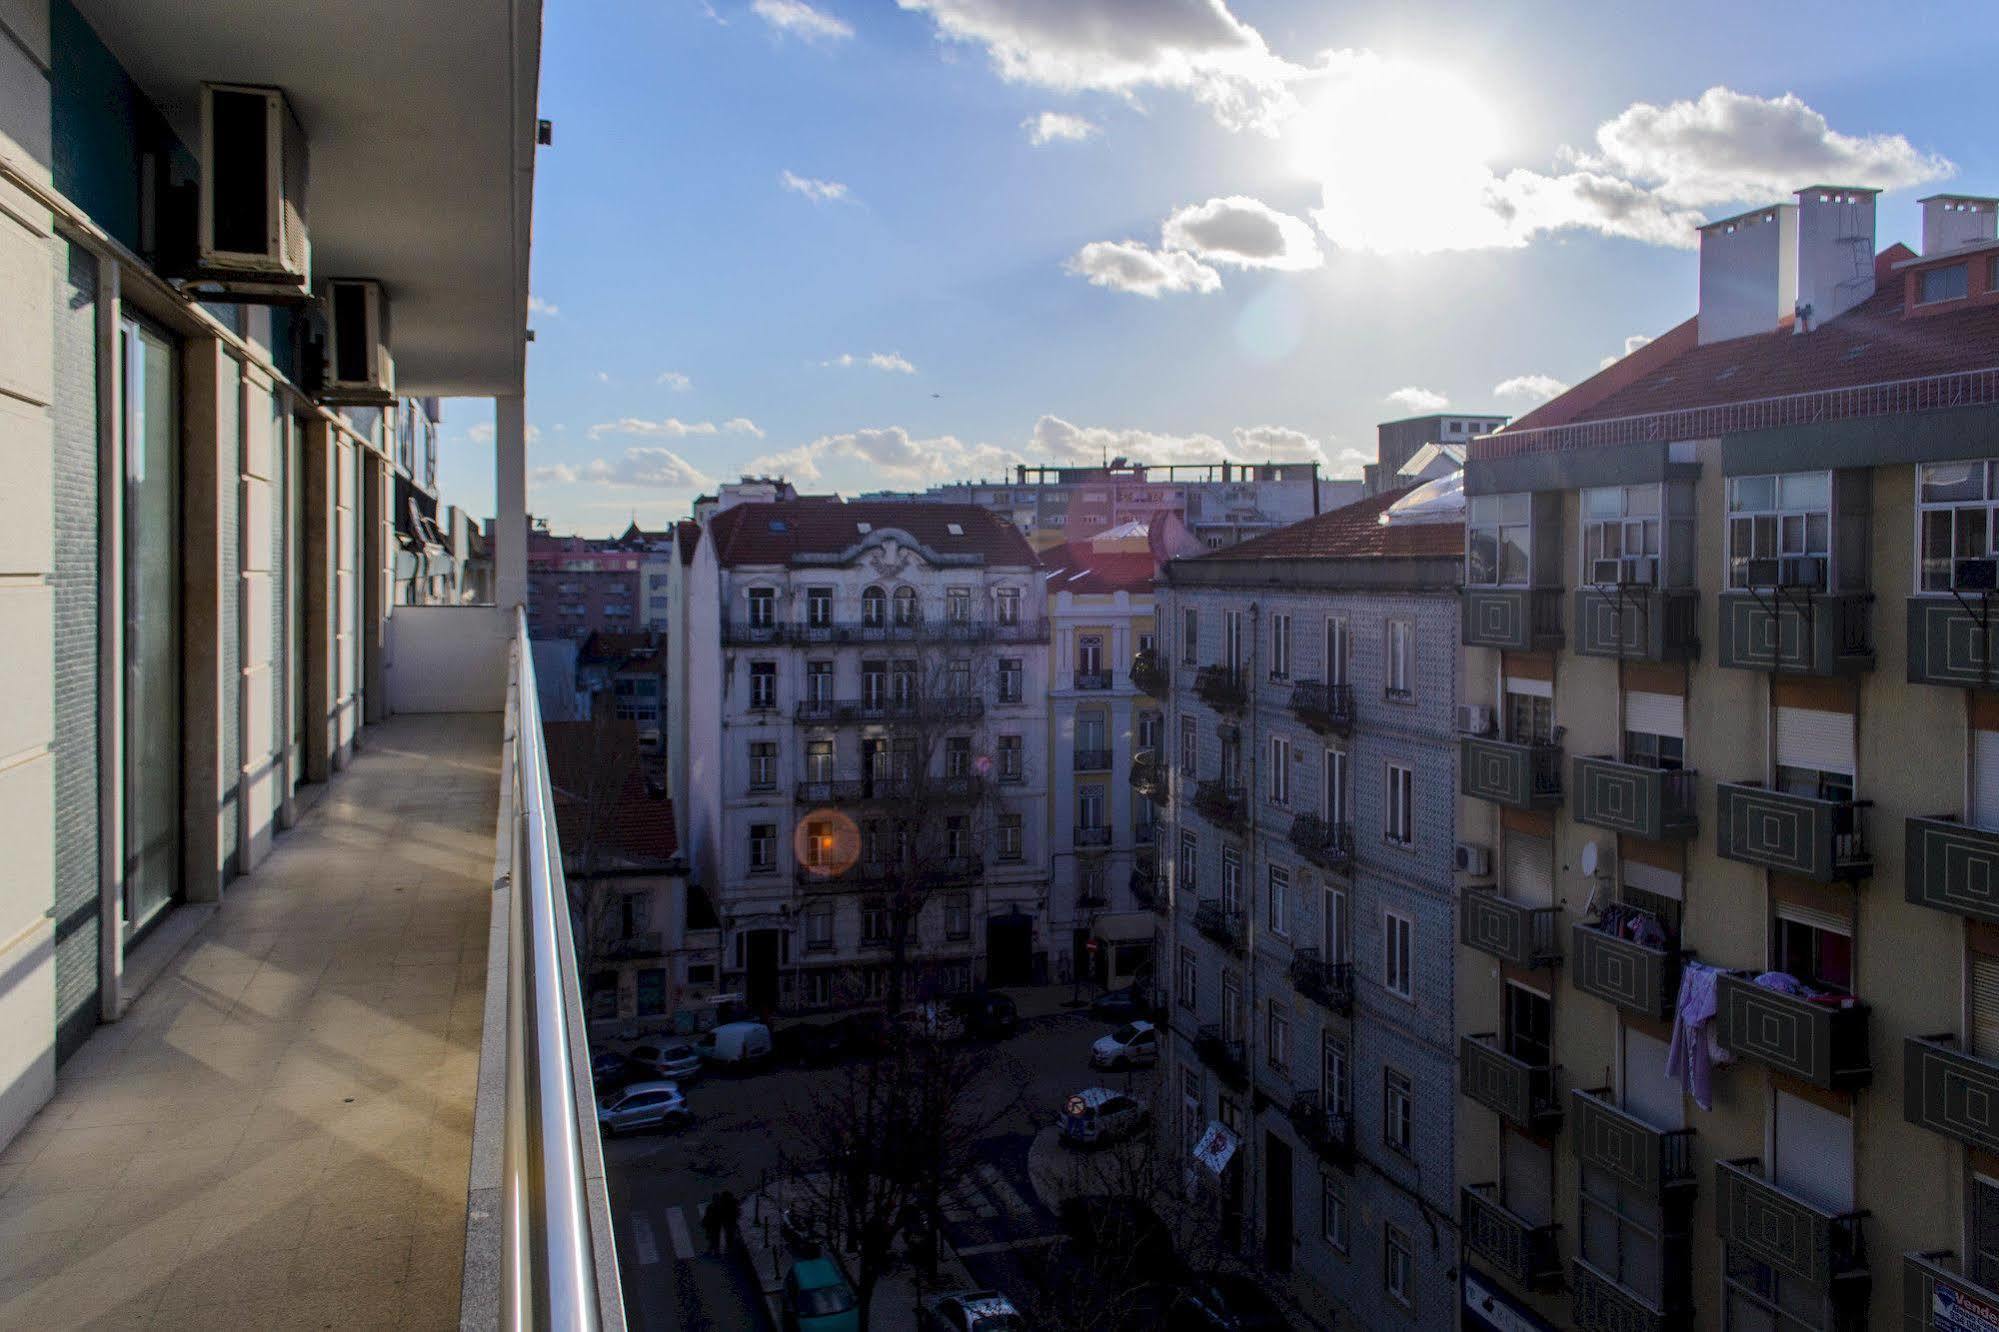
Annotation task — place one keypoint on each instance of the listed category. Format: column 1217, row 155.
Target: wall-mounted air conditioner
column 1604, row 573
column 1640, row 571
column 359, row 369
column 1472, row 859
column 1802, row 571
column 1475, row 719
column 251, row 237
column 1976, row 575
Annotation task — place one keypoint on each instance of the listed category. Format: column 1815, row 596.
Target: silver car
column 674, row 1061
column 643, row 1105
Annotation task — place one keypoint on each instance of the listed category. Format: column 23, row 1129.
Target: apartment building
column 1100, row 615
column 1398, row 443
column 866, row 749
column 1311, row 753
column 1728, row 995
column 578, row 586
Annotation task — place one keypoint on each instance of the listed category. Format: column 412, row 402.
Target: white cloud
column 650, row 467
column 1268, row 443
column 671, row 428
column 1057, row 127
column 1242, row 231
column 536, row 305
column 892, row 362
column 1631, row 344
column 1539, row 388
column 674, row 380
column 797, row 19
column 483, row 433
column 818, row 191
column 889, row 454
column 1131, row 267
column 603, row 376
column 741, row 425
column 1418, row 400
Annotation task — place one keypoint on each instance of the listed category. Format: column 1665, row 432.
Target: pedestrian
column 711, row 1221
column 727, row 1211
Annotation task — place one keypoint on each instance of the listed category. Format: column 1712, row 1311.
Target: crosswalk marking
column 643, row 1241
column 676, row 1229
column 996, row 1184
column 983, row 1196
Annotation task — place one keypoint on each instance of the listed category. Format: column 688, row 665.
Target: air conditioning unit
column 359, row 369
column 1475, row 719
column 1975, row 575
column 1802, row 571
column 1640, row 571
column 1764, row 573
column 1604, row 573
column 251, row 238
column 1472, row 859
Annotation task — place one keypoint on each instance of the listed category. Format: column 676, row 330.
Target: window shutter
column 1810, row 738
column 1985, row 779
column 1814, row 1153
column 1530, row 876
column 1650, row 1092
column 1985, row 1007
column 1532, row 688
column 1655, row 714
column 1830, row 921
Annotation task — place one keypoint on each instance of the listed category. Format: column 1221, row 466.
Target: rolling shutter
column 1810, row 738
column 1985, row 1006
column 1650, row 1092
column 1831, row 922
column 1814, row 1153
column 1530, row 875
column 1655, row 714
column 1985, row 779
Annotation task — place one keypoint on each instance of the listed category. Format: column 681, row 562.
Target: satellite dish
column 1589, row 857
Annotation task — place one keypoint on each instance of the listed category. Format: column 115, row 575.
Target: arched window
column 905, row 605
column 874, row 608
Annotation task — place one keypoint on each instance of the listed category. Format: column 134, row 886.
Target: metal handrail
column 549, row 1254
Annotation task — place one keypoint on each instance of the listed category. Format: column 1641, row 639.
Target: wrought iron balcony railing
column 1150, row 674
column 1150, row 776
column 1093, row 679
column 1223, row 1054
column 1329, row 1132
column 1222, row 803
column 1517, row 1248
column 1329, row 984
column 1222, row 688
column 1090, row 760
column 1223, row 922
column 1326, row 708
column 1327, row 845
column 1091, row 835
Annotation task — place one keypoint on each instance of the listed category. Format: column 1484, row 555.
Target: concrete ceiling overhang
column 420, row 121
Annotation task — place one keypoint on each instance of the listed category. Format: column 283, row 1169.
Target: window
column 1945, row 284
column 1190, row 859
column 1398, row 806
column 1090, row 805
column 1231, row 881
column 1092, row 728
column 763, row 685
column 874, row 608
column 957, row 755
column 1009, row 837
column 1333, row 942
column 1397, row 1261
column 874, row 684
column 1646, row 750
column 1498, row 540
column 1148, row 643
column 1339, row 649
column 1530, row 1026
column 1810, row 948
column 763, row 847
column 1779, row 529
column 1231, row 1007
column 819, row 607
column 819, row 681
column 1984, row 1228
column 1638, row 535
column 1090, row 654
column 958, row 916
column 819, row 927
column 1398, row 954
column 819, row 761
column 874, row 921
column 958, row 605
column 819, row 843
column 1190, row 746
column 905, row 605
column 1399, row 672
column 1333, row 1065
column 1190, row 978
column 1232, row 642
column 1956, row 510
column 1277, row 1034
column 958, row 678
column 1006, row 605
column 1333, row 1213
column 1530, row 717
column 1280, row 770
column 763, row 765
column 1333, row 791
column 763, row 607
column 1190, row 636
column 1009, row 758
column 1009, row 680
column 1278, row 905
column 957, row 837
column 1398, row 1111
column 1280, row 647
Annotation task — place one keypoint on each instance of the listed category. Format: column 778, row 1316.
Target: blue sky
column 841, row 238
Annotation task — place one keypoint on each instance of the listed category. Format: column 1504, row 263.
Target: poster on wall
column 1951, row 1310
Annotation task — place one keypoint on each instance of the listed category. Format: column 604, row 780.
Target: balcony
column 1515, row 1247
column 1794, row 834
column 1150, row 674
column 744, row 633
column 1516, row 619
column 1149, row 776
column 1798, row 1238
column 633, row 947
column 1953, row 867
column 1818, row 1043
column 1093, row 679
column 861, row 633
column 1090, row 760
column 1638, row 623
column 1621, row 971
column 1522, row 1094
column 1326, row 708
column 1793, row 631
column 1598, row 1303
column 1148, row 890
column 1511, row 931
column 855, row 791
column 1329, row 1133
column 1951, row 641
column 1090, row 836
column 1221, row 688
column 1327, row 845
column 1328, row 984
column 1223, row 804
column 1519, row 776
column 832, row 877
column 1948, row 1091
column 1144, row 834
column 1224, row 1055
column 1934, row 1281
column 885, row 711
column 1654, row 803
column 1650, row 1160
column 1222, row 922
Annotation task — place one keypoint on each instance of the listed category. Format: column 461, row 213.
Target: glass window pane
column 1818, row 534
column 1603, row 502
column 1936, row 550
column 1642, row 501
column 1513, row 555
column 1970, row 534
column 1747, row 494
column 1805, row 490
column 1483, row 557
column 1765, row 547
column 1944, row 483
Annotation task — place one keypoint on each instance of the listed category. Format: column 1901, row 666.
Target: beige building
column 1728, row 611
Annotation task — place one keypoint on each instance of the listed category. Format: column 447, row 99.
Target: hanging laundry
column 1690, row 1058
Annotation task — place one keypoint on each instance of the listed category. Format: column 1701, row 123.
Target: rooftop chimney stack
column 1749, row 273
column 1952, row 221
column 1835, row 252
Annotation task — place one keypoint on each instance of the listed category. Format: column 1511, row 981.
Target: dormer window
column 1950, row 283
column 1780, row 530
column 1958, row 516
column 1499, row 540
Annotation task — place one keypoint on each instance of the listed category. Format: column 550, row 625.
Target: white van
column 739, row 1043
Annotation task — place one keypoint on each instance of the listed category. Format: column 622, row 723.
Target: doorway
column 1277, row 1227
column 1010, row 949
column 760, row 970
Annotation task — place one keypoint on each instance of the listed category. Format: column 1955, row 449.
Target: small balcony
column 1144, row 834
column 1519, row 776
column 1638, row 623
column 1511, row 931
column 1150, row 674
column 833, row 877
column 1796, row 631
column 745, row 633
column 1148, row 891
column 1090, row 760
column 1521, row 1093
column 635, row 947
column 1953, row 867
column 1599, row 1303
column 855, row 791
column 1090, row 836
column 1948, row 1091
column 1650, row 1160
column 886, row 710
column 1934, row 1281
column 1222, row 922
column 1818, row 1043
column 1223, row 1055
column 1793, row 834
column 1327, row 845
column 1951, row 642
column 1516, row 619
column 1093, row 679
column 1222, row 803
column 1798, row 1238
column 1222, row 688
column 1328, row 984
column 1654, row 803
column 1326, row 708
column 1150, row 776
column 1624, row 972
column 1328, row 1132
column 1515, row 1247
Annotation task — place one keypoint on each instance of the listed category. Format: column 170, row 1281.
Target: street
column 660, row 1182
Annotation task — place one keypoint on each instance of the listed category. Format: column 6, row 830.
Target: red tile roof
column 776, row 533
column 1077, row 567
column 1353, row 531
column 634, row 826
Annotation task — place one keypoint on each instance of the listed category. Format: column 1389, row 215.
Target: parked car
column 1097, row 1115
column 970, row 1311
column 1134, row 1045
column 818, row 1298
column 1224, row 1302
column 932, row 1021
column 809, row 1042
column 866, row 1032
column 643, row 1105
column 987, row 1015
column 674, row 1061
column 738, row 1045
column 1121, row 1004
column 1118, row 1233
column 610, row 1071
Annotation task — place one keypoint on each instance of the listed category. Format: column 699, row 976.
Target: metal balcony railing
column 1093, row 679
column 1223, row 922
column 1323, row 707
column 1327, row 845
column 738, row 633
column 1222, row 803
column 1091, row 760
column 1149, row 776
column 1223, row 1054
column 1092, row 835
column 1149, row 673
column 1327, row 983
column 1222, row 688
column 888, row 709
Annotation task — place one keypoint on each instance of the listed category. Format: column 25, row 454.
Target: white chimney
column 1951, row 221
column 1835, row 251
column 1749, row 272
